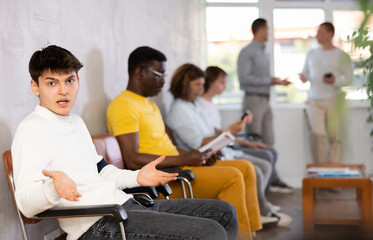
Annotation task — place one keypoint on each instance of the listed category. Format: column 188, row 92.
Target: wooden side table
column 338, row 211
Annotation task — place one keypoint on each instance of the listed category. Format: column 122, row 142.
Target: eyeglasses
column 158, row 74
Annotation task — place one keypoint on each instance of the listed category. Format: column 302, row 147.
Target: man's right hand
column 278, row 81
column 275, row 80
column 64, row 185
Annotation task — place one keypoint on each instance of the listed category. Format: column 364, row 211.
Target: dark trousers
column 171, row 219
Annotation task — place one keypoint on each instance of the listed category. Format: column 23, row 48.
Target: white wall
column 101, row 34
column 293, row 144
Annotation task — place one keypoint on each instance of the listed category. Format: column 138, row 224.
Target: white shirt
column 319, row 62
column 189, row 124
column 45, row 140
column 212, row 112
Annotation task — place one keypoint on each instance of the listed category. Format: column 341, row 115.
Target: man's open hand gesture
column 64, row 185
column 150, row 176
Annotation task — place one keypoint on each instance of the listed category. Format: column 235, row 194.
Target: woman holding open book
column 248, row 210
column 192, row 129
column 215, row 84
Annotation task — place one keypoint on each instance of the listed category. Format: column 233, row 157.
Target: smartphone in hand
column 328, row 75
column 247, row 112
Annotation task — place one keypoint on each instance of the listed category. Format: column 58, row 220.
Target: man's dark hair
column 328, row 27
column 181, row 78
column 52, row 58
column 257, row 24
column 142, row 56
column 212, row 73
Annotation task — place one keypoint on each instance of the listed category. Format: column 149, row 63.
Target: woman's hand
column 195, row 157
column 212, row 159
column 150, row 176
column 257, row 145
column 240, row 124
column 254, row 145
column 64, row 185
column 249, row 118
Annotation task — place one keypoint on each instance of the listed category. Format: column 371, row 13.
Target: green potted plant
column 360, row 39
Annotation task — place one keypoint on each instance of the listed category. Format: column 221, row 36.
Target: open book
column 218, row 143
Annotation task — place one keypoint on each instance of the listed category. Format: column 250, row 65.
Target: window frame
column 266, row 8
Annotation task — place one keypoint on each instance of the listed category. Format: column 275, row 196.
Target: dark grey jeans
column 171, row 219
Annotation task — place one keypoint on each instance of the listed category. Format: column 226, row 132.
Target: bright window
column 345, row 23
column 294, row 31
column 293, row 26
column 228, row 31
column 232, row 1
column 300, row 0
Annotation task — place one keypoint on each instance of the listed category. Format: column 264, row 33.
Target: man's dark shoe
column 280, row 187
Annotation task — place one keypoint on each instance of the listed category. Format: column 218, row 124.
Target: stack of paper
column 333, row 172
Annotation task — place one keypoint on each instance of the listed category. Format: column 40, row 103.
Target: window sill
column 350, row 104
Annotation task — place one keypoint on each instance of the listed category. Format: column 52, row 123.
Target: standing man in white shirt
column 328, row 68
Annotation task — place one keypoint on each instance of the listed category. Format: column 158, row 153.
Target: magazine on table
column 333, row 172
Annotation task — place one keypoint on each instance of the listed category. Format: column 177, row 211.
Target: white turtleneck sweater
column 45, row 140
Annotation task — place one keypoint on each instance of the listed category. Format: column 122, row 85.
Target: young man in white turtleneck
column 328, row 68
column 56, row 164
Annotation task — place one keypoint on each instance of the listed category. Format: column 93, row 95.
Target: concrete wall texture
column 101, row 34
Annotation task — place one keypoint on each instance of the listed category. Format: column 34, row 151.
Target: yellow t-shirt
column 129, row 113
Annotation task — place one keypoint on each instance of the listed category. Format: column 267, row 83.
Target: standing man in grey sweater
column 254, row 74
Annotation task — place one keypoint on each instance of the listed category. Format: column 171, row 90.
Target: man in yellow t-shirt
column 137, row 124
column 140, row 113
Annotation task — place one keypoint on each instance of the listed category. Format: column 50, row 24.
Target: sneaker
column 273, row 208
column 275, row 189
column 254, row 236
column 280, row 187
column 269, row 221
column 283, row 219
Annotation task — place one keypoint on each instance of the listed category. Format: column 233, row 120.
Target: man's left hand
column 329, row 80
column 150, row 176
